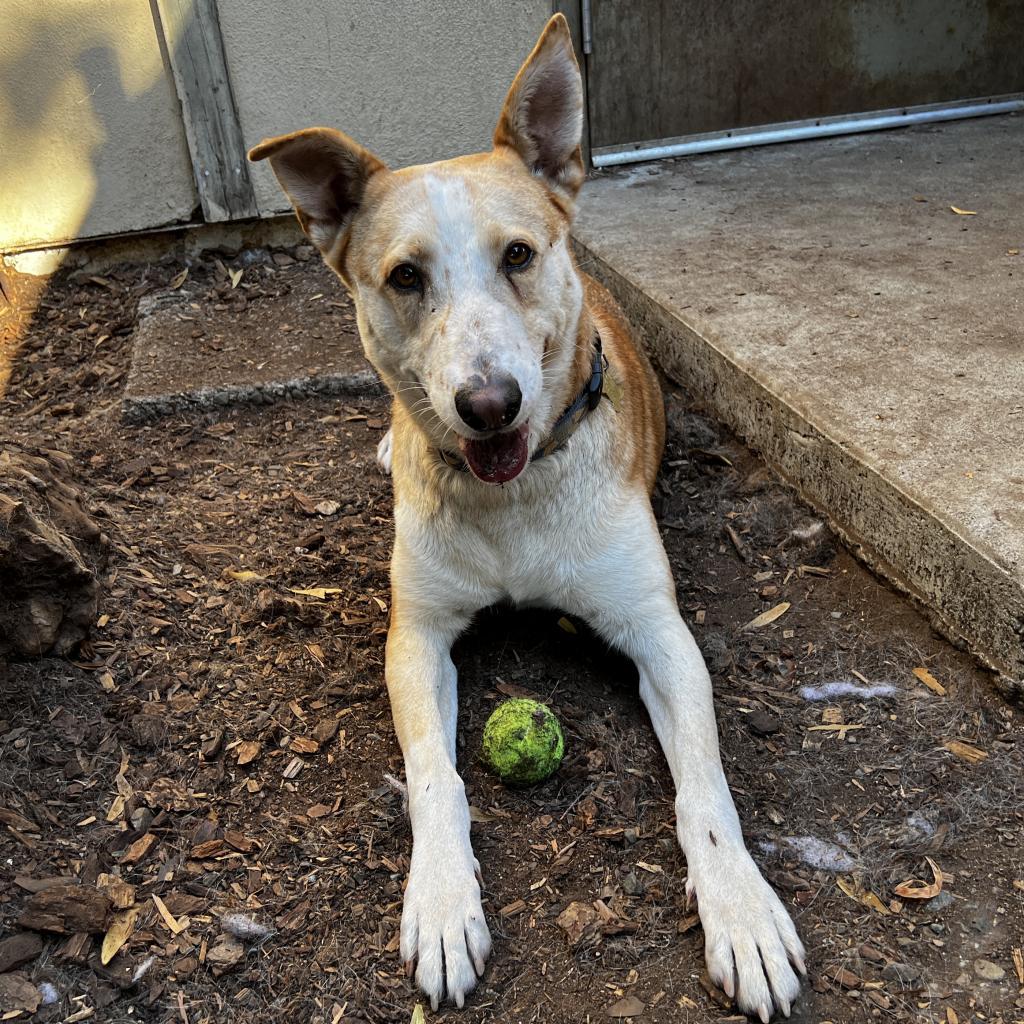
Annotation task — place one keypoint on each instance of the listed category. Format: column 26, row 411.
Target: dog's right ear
column 542, row 119
column 324, row 174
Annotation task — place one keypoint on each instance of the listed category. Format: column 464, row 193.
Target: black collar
column 565, row 426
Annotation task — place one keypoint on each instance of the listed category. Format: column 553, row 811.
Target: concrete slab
column 827, row 302
column 294, row 334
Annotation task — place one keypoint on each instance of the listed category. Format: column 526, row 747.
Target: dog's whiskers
column 444, row 437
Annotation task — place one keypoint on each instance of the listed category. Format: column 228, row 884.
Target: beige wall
column 91, row 140
column 91, row 137
column 413, row 80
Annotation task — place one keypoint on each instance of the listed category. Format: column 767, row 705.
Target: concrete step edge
column 971, row 599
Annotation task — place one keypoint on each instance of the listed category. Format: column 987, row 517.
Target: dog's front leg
column 751, row 945
column 749, row 940
column 443, row 929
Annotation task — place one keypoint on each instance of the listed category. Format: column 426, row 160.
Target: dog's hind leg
column 628, row 596
column 443, row 931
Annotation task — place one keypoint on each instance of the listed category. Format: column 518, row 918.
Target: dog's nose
column 489, row 405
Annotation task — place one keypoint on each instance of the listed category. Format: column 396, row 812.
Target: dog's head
column 466, row 293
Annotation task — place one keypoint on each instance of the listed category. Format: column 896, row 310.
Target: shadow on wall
column 86, row 99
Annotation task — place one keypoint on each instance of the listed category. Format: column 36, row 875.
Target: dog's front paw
column 750, row 944
column 384, row 452
column 444, row 933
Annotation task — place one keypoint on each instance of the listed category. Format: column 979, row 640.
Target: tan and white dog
column 516, row 481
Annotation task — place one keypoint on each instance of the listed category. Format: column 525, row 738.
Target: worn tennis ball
column 523, row 742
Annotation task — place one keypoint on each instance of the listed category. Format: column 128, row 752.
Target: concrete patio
column 853, row 308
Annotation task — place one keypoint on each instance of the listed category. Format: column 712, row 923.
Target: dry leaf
column 176, row 927
column 169, row 795
column 929, row 680
column 576, row 920
column 1018, row 963
column 119, row 932
column 303, row 745
column 248, row 751
column 627, row 1006
column 318, row 811
column 869, row 899
column 769, row 616
column 965, row 751
column 915, row 889
column 305, row 504
column 239, row 841
column 327, row 508
column 417, row 1016
column 236, row 276
column 320, row 593
column 964, row 213
column 116, row 810
column 179, row 279
column 244, row 575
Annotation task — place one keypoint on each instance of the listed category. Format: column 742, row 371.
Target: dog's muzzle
column 489, row 404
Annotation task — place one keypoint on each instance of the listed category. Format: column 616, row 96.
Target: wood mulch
column 201, row 814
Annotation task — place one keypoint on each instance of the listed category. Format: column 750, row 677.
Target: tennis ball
column 523, row 742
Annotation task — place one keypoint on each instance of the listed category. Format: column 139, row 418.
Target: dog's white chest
column 527, row 552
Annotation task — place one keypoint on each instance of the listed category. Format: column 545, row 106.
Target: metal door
column 671, row 69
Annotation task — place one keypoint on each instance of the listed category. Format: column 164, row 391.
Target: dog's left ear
column 542, row 119
column 324, row 174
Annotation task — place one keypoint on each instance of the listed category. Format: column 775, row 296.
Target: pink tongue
column 498, row 459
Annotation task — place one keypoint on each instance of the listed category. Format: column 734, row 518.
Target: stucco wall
column 413, row 81
column 91, row 136
column 91, row 139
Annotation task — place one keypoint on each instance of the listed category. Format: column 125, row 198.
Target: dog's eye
column 405, row 277
column 517, row 256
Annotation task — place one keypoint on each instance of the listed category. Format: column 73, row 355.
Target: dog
column 526, row 434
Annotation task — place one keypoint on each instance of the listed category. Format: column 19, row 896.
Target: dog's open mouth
column 499, row 458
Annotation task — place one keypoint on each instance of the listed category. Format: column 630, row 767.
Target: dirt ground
column 223, row 741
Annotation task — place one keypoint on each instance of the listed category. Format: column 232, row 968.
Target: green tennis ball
column 523, row 742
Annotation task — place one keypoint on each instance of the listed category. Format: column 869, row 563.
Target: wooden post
column 192, row 33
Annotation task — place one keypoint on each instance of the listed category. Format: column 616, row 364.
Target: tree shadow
column 77, row 156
